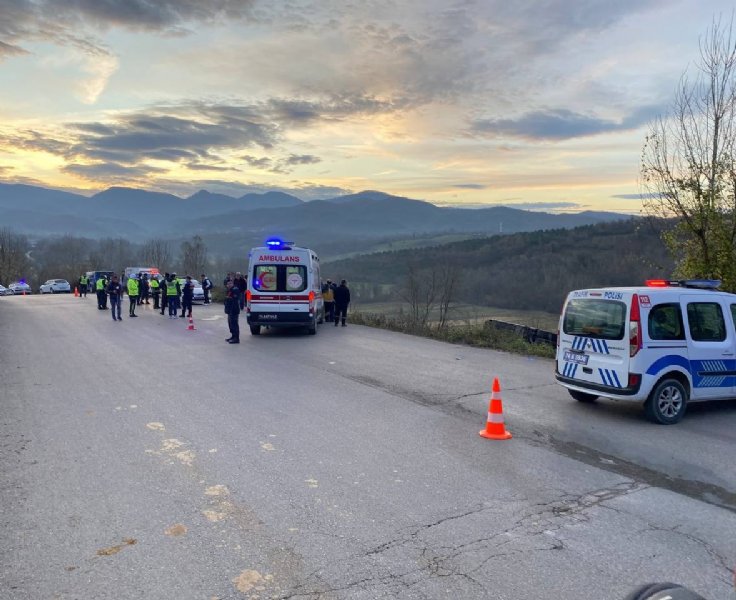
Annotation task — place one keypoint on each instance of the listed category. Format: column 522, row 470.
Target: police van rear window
column 279, row 278
column 592, row 317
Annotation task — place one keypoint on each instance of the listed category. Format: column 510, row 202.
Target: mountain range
column 139, row 214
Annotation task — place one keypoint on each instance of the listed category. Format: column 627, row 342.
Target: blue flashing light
column 22, row 282
column 278, row 244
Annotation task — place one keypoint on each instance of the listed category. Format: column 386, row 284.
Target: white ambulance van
column 666, row 344
column 284, row 287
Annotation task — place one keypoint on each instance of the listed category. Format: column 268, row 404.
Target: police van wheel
column 255, row 330
column 583, row 397
column 667, row 403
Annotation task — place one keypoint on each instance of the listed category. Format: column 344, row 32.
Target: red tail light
column 311, row 302
column 634, row 326
column 247, row 300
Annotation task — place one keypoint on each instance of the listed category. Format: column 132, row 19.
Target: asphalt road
column 142, row 460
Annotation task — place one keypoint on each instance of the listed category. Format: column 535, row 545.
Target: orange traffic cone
column 191, row 325
column 495, row 428
column 76, row 292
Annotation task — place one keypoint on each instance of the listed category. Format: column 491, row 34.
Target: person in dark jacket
column 232, row 310
column 144, row 291
column 242, row 285
column 162, row 287
column 115, row 292
column 187, row 296
column 342, row 300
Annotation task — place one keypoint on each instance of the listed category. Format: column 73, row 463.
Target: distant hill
column 364, row 219
column 528, row 271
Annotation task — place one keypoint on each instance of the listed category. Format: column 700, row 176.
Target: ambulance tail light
column 634, row 326
column 247, row 300
column 311, row 303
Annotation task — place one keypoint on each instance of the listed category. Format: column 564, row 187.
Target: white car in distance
column 56, row 286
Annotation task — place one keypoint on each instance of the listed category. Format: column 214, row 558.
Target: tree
column 156, row 253
column 14, row 262
column 194, row 256
column 689, row 164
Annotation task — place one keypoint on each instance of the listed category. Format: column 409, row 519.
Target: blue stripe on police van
column 605, row 347
column 615, row 377
column 596, row 345
column 713, row 381
column 604, row 376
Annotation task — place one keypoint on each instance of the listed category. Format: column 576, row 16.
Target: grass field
column 471, row 314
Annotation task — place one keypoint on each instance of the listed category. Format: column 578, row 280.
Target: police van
column 284, row 287
column 666, row 344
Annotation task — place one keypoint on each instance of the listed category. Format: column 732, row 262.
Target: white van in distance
column 666, row 344
column 284, row 287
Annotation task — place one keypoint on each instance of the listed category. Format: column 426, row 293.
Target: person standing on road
column 232, row 310
column 162, row 288
column 328, row 295
column 133, row 291
column 83, row 282
column 144, row 285
column 242, row 285
column 342, row 300
column 206, row 287
column 187, row 296
column 101, row 296
column 155, row 292
column 173, row 289
column 115, row 291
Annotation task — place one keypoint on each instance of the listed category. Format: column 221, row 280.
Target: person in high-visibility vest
column 100, row 286
column 83, row 282
column 132, row 295
column 155, row 291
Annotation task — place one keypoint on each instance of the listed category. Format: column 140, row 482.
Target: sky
column 539, row 104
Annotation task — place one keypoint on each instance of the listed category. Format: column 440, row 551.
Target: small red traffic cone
column 191, row 324
column 76, row 292
column 495, row 428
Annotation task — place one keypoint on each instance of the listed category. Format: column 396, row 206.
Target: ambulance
column 284, row 287
column 663, row 345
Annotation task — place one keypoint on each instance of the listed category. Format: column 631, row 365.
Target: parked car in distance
column 198, row 293
column 55, row 286
column 20, row 287
column 5, row 291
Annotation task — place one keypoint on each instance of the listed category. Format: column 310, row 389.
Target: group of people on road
column 169, row 293
column 337, row 299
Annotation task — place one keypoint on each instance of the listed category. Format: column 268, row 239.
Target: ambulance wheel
column 312, row 329
column 583, row 397
column 255, row 330
column 321, row 317
column 667, row 403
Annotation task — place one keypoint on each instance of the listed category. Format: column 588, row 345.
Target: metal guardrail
column 530, row 334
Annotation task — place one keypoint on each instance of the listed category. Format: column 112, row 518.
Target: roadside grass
column 469, row 333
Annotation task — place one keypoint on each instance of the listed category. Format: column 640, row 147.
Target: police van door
column 711, row 346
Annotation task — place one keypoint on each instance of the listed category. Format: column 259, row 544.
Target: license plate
column 576, row 357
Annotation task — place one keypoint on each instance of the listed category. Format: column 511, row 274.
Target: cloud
column 560, row 124
column 112, row 172
column 10, row 50
column 646, row 196
column 470, row 186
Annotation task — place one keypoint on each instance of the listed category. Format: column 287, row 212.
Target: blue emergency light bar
column 278, row 244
